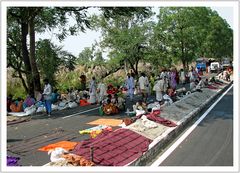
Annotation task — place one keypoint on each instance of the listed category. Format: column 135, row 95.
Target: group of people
column 20, row 104
column 110, row 97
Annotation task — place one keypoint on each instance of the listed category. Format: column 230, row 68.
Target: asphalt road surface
column 211, row 142
column 25, row 138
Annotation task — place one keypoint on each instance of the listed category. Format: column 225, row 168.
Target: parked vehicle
column 201, row 63
column 226, row 62
column 214, row 67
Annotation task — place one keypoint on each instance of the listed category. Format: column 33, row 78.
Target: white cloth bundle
column 30, row 110
column 56, row 154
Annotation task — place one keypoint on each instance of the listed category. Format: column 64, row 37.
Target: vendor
column 110, row 108
column 17, row 105
column 29, row 101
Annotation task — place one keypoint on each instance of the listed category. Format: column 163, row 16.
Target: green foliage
column 126, row 36
column 85, row 56
column 16, row 89
column 47, row 59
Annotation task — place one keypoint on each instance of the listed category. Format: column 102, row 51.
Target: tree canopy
column 130, row 35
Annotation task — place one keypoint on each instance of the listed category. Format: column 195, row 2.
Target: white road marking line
column 89, row 110
column 185, row 135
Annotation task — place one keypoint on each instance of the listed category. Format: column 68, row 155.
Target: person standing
column 142, row 85
column 182, row 76
column 47, row 96
column 92, row 91
column 102, row 91
column 130, row 86
column 83, row 81
column 159, row 87
column 173, row 79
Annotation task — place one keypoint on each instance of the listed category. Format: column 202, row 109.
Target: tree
column 37, row 19
column 219, row 41
column 185, row 33
column 85, row 56
column 126, row 36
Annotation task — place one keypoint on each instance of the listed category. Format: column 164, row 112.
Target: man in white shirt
column 143, row 86
column 130, row 85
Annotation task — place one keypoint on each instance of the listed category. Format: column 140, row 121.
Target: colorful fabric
column 84, row 102
column 76, row 160
column 67, row 145
column 17, row 107
column 107, row 122
column 153, row 116
column 116, row 148
column 12, row 161
column 89, row 130
column 28, row 102
column 110, row 109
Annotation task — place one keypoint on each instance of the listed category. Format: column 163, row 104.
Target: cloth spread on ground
column 12, row 161
column 153, row 116
column 19, row 114
column 67, row 145
column 76, row 160
column 150, row 133
column 89, row 130
column 107, row 122
column 116, row 148
column 94, row 131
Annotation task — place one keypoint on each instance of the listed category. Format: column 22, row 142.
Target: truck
column 201, row 63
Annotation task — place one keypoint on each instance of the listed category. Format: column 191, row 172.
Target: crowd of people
column 113, row 98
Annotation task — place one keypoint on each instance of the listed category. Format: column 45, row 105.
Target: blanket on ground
column 116, row 148
column 153, row 116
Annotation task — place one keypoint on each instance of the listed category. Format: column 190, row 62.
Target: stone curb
column 172, row 133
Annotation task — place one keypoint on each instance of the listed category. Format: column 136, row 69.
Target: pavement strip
column 188, row 132
column 89, row 110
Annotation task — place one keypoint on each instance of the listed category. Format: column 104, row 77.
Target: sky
column 75, row 44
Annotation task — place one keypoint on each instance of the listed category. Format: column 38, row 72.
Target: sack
column 54, row 107
column 30, row 110
column 72, row 104
column 41, row 109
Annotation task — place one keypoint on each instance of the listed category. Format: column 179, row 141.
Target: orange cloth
column 84, row 102
column 17, row 108
column 107, row 122
column 76, row 160
column 67, row 145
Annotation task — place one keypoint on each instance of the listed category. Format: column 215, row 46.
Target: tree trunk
column 35, row 73
column 28, row 69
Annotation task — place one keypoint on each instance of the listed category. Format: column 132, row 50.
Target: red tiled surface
column 116, row 148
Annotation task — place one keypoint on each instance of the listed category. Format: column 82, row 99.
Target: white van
column 214, row 67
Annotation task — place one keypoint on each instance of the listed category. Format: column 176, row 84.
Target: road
column 25, row 138
column 211, row 142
